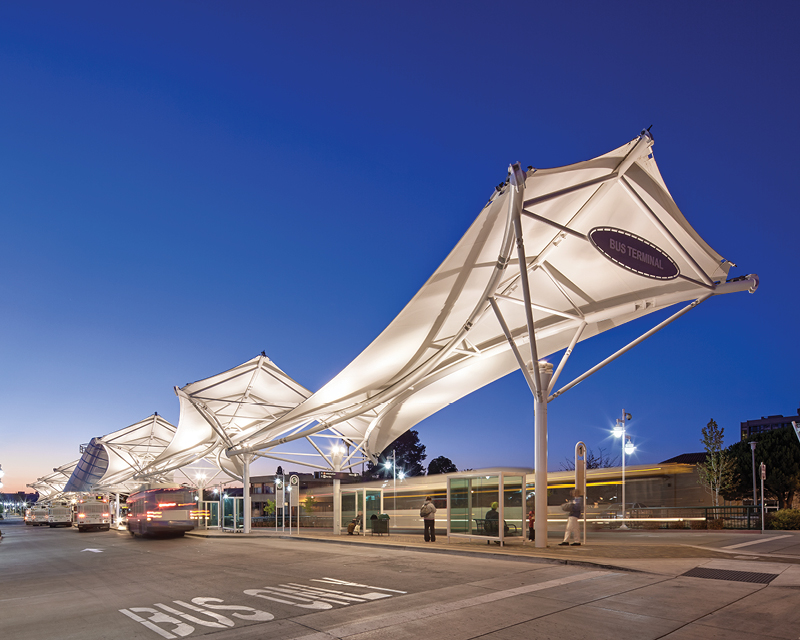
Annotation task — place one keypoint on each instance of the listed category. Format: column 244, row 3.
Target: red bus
column 165, row 511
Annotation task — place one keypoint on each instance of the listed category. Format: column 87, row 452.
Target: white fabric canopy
column 604, row 243
column 51, row 487
column 114, row 462
column 220, row 410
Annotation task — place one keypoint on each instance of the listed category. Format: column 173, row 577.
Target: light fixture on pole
column 627, row 448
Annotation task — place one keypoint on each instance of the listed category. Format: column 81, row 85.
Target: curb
column 442, row 550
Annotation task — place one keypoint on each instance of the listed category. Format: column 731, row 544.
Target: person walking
column 428, row 513
column 574, row 511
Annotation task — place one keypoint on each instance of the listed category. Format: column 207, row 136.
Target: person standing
column 574, row 511
column 531, row 522
column 428, row 513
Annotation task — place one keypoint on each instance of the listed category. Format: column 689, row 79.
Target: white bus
column 37, row 515
column 93, row 512
column 60, row 515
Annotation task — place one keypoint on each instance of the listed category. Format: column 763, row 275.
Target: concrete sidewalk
column 663, row 552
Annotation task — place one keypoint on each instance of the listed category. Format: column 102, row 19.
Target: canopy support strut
column 630, row 346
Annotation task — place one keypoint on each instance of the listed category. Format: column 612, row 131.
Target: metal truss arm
column 565, row 357
column 515, row 206
column 630, row 346
column 522, row 366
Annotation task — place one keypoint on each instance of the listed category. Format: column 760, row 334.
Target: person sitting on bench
column 355, row 525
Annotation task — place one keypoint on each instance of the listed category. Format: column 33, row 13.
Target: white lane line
column 391, row 619
column 747, row 544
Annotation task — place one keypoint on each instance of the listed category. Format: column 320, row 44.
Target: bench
column 490, row 528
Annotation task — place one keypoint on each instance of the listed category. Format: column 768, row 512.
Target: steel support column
column 246, row 503
column 540, row 456
column 336, row 459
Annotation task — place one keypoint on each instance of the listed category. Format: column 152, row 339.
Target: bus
column 93, row 512
column 60, row 515
column 37, row 515
column 163, row 511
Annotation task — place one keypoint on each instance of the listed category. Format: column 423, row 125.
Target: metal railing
column 728, row 517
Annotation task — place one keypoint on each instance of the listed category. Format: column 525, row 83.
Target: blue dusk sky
column 186, row 184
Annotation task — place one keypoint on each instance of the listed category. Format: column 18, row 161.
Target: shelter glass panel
column 372, row 505
column 485, row 492
column 460, row 505
column 349, row 507
column 232, row 509
column 212, row 509
column 513, row 504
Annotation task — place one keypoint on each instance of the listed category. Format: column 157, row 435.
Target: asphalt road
column 58, row 583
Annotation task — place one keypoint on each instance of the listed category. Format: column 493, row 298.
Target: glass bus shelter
column 469, row 507
column 367, row 502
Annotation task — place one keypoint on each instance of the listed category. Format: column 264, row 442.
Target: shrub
column 699, row 524
column 786, row 519
column 715, row 523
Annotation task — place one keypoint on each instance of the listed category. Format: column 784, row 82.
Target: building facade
column 767, row 423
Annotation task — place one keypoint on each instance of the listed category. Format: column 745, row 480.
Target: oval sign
column 634, row 253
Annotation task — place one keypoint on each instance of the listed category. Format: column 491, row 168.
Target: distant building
column 768, row 423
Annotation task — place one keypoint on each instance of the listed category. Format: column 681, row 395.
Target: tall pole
column 619, row 430
column 394, row 473
column 336, row 459
column 753, row 456
column 624, row 505
column 540, row 454
column 246, row 503
column 763, row 475
column 580, row 480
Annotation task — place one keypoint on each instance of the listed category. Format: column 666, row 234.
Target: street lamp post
column 627, row 447
column 393, row 465
column 753, row 456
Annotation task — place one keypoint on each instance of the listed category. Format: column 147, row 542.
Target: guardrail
column 729, row 517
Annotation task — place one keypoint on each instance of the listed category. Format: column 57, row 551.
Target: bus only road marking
column 176, row 622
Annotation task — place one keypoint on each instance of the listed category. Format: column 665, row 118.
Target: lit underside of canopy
column 51, row 487
column 601, row 243
column 226, row 408
column 115, row 462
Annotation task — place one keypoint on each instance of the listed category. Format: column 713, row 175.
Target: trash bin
column 380, row 524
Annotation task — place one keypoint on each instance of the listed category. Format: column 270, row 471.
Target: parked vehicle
column 93, row 512
column 37, row 515
column 60, row 515
column 162, row 511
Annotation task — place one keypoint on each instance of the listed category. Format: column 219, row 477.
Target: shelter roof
column 120, row 456
column 604, row 244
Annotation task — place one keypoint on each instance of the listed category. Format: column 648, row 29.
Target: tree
column 599, row 460
column 309, row 503
column 409, row 454
column 780, row 451
column 716, row 473
column 441, row 465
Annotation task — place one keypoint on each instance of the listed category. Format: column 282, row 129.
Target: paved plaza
column 59, row 583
